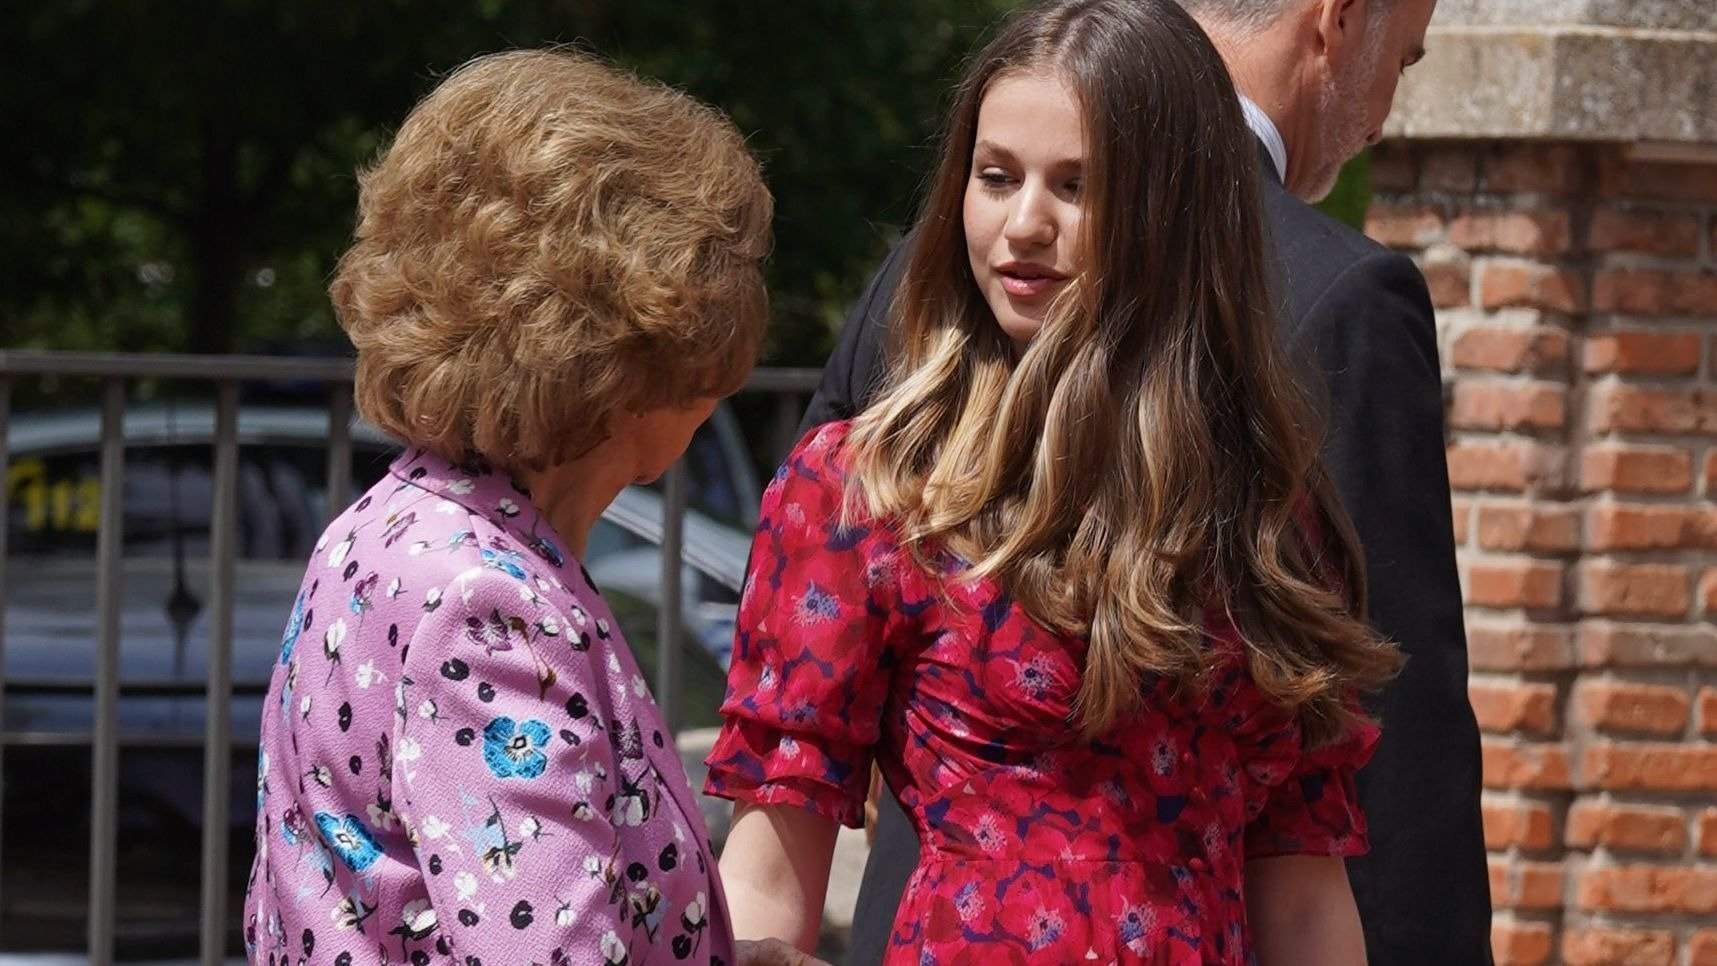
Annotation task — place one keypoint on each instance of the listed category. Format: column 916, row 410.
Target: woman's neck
column 572, row 495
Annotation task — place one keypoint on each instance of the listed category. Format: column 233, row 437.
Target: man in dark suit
column 1318, row 78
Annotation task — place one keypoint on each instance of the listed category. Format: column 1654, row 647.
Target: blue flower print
column 505, row 561
column 261, row 778
column 514, row 749
column 349, row 839
column 294, row 627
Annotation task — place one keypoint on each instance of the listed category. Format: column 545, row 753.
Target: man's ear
column 1338, row 25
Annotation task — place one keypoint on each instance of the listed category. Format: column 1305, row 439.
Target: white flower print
column 380, row 816
column 583, row 812
column 789, row 747
column 549, row 627
column 418, row 548
column 613, row 663
column 694, row 913
column 395, row 588
column 433, row 828
column 428, row 711
column 418, row 918
column 529, row 595
column 530, row 827
column 639, row 688
column 578, row 617
column 593, row 866
column 563, row 916
column 432, row 600
column 304, row 707
column 337, row 556
column 447, row 506
column 465, row 886
column 628, row 810
column 461, row 487
column 367, row 675
column 613, row 950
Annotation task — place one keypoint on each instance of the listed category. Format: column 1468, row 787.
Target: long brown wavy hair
column 1147, row 457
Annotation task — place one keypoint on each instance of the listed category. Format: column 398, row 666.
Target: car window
column 54, row 499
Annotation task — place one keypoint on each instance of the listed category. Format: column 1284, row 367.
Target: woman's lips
column 1027, row 283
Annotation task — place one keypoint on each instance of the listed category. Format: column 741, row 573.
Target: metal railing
column 115, row 372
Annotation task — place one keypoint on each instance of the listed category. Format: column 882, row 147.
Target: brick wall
column 1577, row 315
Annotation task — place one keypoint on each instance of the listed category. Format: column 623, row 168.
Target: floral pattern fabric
column 460, row 760
column 1038, row 845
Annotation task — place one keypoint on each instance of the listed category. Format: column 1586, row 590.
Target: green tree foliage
column 180, row 175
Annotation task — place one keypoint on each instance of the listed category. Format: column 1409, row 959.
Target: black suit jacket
column 1358, row 318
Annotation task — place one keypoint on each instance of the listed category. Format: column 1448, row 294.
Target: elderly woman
column 555, row 277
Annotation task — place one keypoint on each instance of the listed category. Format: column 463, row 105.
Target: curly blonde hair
column 548, row 242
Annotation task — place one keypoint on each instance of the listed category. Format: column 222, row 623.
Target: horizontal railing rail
column 226, row 374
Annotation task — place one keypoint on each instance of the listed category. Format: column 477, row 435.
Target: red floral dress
column 1038, row 845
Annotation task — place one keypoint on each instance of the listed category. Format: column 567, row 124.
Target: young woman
column 1074, row 580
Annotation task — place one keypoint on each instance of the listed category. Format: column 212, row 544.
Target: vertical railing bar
column 339, row 449
column 104, row 751
column 669, row 619
column 5, row 519
column 217, row 753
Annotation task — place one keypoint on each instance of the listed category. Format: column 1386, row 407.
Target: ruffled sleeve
column 814, row 647
column 1303, row 801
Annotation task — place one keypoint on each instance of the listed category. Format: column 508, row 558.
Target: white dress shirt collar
column 1265, row 129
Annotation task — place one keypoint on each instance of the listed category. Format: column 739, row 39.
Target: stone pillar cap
column 1641, row 71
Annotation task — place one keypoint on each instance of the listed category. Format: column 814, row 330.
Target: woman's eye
column 994, row 180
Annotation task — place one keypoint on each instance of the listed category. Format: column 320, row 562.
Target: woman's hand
column 775, row 870
column 773, row 952
column 1301, row 912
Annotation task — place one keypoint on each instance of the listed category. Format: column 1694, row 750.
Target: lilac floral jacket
column 460, row 760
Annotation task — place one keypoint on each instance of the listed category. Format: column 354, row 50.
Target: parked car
column 53, row 499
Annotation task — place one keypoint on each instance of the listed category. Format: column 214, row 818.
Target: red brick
column 1541, row 349
column 1525, row 825
column 1706, row 824
column 1448, row 169
column 1449, row 279
column 1514, row 583
column 1636, row 469
column 1520, row 943
column 1648, row 888
column 1513, row 467
column 1529, row 648
column 1706, row 711
column 1514, row 706
column 1393, row 167
column 1517, row 527
column 1708, row 593
column 1519, row 232
column 1658, row 181
column 1404, row 226
column 1649, row 291
column 1644, row 353
column 1611, row 946
column 1524, row 285
column 1649, row 766
column 1498, row 406
column 1512, row 764
column 1525, row 885
column 1625, row 706
column 1536, row 168
column 1620, row 526
column 1665, row 233
column 1711, row 473
column 1625, row 408
column 1633, row 590
column 1702, row 948
column 1461, row 512
column 1633, row 646
column 1635, row 828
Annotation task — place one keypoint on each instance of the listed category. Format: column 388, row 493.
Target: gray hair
column 1247, row 17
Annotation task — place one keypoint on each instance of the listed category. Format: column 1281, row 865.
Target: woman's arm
column 1300, row 911
column 775, row 869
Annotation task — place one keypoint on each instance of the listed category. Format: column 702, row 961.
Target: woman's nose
column 1030, row 223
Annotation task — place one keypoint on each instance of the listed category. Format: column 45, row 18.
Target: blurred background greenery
column 181, row 175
